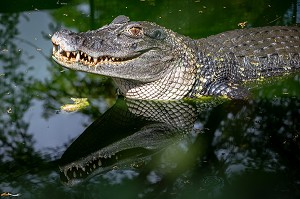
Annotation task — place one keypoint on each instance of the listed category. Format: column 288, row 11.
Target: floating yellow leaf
column 79, row 104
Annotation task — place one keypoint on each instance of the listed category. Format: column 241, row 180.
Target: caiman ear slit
column 157, row 34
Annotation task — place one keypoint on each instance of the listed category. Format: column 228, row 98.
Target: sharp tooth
column 74, row 53
column 77, row 57
column 68, row 54
column 89, row 58
column 81, row 52
column 95, row 60
column 99, row 163
column 106, row 59
column 53, row 50
column 113, row 59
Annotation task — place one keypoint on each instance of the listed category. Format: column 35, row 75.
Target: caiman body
column 148, row 61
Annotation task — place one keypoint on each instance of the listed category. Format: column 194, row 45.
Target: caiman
column 148, row 61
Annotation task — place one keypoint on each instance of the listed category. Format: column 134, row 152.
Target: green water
column 195, row 149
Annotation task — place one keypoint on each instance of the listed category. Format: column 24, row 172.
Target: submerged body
column 148, row 61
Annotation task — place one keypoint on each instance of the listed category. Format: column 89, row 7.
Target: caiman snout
column 66, row 40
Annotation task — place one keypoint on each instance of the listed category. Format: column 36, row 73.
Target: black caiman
column 148, row 61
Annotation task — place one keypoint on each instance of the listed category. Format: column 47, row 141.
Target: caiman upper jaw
column 69, row 57
column 80, row 170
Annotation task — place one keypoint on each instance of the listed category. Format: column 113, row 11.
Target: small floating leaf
column 9, row 194
column 242, row 24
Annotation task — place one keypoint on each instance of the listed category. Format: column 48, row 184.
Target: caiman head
column 147, row 61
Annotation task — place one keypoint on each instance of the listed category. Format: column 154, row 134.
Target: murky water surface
column 118, row 148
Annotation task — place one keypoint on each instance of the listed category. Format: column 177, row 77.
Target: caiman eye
column 135, row 31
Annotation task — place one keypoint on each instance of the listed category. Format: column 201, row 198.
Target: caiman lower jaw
column 85, row 59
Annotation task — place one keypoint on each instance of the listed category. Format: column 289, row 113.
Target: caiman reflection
column 248, row 146
column 127, row 135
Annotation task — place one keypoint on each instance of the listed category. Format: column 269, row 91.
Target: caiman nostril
column 134, row 46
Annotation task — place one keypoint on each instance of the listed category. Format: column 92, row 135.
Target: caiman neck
column 178, row 80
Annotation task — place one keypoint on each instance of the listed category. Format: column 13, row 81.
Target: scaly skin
column 148, row 61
